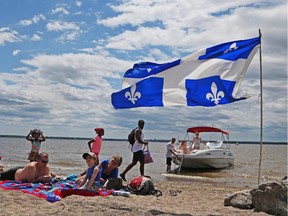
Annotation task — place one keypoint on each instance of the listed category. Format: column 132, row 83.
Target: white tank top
column 138, row 146
column 196, row 144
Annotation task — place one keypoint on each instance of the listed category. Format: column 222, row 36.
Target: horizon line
column 151, row 140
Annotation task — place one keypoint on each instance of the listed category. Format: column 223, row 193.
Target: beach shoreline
column 180, row 197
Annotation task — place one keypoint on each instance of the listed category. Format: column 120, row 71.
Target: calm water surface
column 66, row 158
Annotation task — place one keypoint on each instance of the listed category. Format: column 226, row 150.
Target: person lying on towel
column 33, row 172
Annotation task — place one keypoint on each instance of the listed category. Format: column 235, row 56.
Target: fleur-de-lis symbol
column 215, row 96
column 133, row 96
column 231, row 48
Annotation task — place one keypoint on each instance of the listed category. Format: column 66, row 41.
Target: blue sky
column 62, row 60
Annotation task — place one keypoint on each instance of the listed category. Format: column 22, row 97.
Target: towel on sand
column 54, row 190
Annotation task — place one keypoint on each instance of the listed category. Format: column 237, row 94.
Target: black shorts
column 168, row 161
column 9, row 174
column 138, row 156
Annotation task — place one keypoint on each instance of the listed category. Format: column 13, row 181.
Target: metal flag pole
column 261, row 109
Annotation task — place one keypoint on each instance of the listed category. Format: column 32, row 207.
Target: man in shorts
column 137, row 149
column 169, row 152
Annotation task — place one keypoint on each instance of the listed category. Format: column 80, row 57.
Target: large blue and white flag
column 209, row 77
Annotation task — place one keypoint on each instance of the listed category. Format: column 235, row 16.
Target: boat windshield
column 214, row 144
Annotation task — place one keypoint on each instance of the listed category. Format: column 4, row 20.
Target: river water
column 66, row 158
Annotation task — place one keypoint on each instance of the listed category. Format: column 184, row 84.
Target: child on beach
column 108, row 169
column 96, row 143
column 91, row 180
column 36, row 137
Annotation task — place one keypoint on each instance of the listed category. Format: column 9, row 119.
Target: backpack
column 143, row 185
column 131, row 137
column 114, row 183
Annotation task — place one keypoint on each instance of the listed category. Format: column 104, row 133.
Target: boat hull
column 205, row 159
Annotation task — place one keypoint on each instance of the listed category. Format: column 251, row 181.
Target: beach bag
column 114, row 183
column 143, row 185
column 147, row 156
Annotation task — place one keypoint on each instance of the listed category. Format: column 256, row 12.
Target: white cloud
column 26, row 22
column 16, row 52
column 61, row 10
column 75, row 68
column 184, row 24
column 75, row 81
column 143, row 36
column 36, row 37
column 69, row 36
column 34, row 20
column 78, row 3
column 70, row 30
column 8, row 36
column 22, row 69
column 61, row 26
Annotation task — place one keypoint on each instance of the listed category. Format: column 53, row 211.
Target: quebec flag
column 209, row 77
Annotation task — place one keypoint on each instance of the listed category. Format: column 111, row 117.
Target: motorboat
column 215, row 155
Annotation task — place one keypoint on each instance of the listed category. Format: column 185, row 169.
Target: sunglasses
column 44, row 161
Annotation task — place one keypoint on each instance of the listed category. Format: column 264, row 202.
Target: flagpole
column 261, row 109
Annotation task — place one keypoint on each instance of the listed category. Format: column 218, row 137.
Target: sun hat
column 93, row 155
column 97, row 130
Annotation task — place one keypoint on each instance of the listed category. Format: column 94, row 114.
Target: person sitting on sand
column 91, row 180
column 33, row 172
column 108, row 169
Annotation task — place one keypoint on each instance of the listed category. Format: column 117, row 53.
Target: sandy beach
column 192, row 198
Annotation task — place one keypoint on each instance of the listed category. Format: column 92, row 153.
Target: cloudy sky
column 62, row 59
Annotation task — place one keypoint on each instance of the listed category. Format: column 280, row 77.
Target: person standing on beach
column 33, row 172
column 169, row 152
column 137, row 149
column 96, row 143
column 36, row 137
